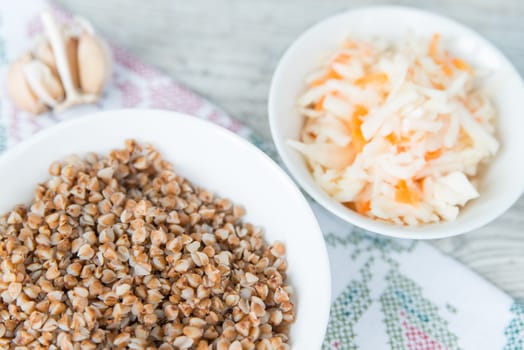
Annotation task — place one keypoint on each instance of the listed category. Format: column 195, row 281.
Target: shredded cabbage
column 397, row 131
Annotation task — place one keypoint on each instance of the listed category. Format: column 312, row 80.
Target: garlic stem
column 57, row 42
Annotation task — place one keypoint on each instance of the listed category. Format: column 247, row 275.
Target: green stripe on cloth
column 515, row 330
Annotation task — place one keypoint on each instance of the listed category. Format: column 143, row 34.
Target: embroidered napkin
column 387, row 293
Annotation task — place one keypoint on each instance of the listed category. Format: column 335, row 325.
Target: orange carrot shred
column 396, row 140
column 331, row 74
column 420, row 184
column 405, row 195
column 438, row 86
column 317, row 82
column 357, row 139
column 363, row 207
column 350, row 44
column 447, row 69
column 360, row 111
column 464, row 138
column 460, row 64
column 342, row 58
column 312, row 135
column 433, row 46
column 434, row 54
column 320, row 104
column 433, row 154
column 392, row 138
column 379, row 78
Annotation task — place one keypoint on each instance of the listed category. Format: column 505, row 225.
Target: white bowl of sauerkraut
column 401, row 122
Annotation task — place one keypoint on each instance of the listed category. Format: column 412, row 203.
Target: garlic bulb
column 93, row 60
column 68, row 66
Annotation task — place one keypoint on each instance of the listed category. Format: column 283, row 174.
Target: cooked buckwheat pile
column 121, row 252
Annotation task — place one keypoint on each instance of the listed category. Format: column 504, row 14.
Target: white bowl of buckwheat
column 148, row 228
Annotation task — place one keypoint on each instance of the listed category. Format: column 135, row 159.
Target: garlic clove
column 44, row 52
column 71, row 47
column 56, row 38
column 94, row 60
column 44, row 84
column 19, row 90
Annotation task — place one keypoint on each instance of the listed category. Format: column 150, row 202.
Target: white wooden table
column 227, row 50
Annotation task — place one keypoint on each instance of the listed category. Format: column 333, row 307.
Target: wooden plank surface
column 227, row 50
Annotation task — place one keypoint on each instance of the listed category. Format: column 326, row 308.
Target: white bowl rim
column 424, row 232
column 101, row 116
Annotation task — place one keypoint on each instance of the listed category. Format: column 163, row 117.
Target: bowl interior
column 213, row 158
column 503, row 181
